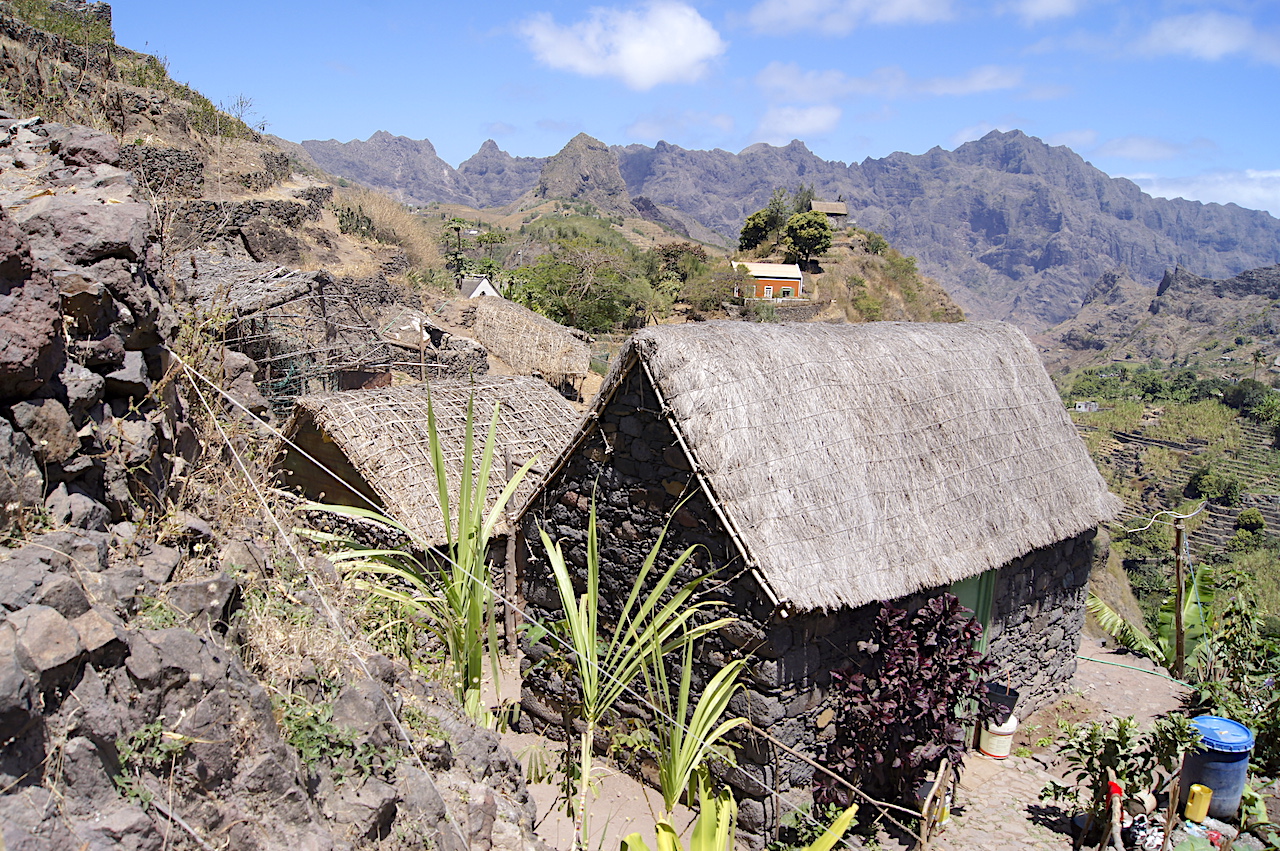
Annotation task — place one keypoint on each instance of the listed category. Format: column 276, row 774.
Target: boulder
column 84, row 388
column 46, row 644
column 76, row 509
column 21, row 482
column 131, row 379
column 31, row 348
column 81, row 146
column 48, row 426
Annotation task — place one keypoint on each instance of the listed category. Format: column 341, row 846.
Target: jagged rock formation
column 1015, row 229
column 585, row 170
column 495, row 178
column 1188, row 320
column 407, row 169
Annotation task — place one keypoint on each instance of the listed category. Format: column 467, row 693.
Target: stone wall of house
column 639, row 476
column 1038, row 615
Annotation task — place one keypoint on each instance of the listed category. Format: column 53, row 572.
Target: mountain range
column 1014, row 229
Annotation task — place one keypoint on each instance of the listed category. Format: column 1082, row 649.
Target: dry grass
column 865, row 287
column 394, row 224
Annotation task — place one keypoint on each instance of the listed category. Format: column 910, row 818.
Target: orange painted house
column 774, row 280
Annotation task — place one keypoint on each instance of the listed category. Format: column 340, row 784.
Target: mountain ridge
column 1014, row 228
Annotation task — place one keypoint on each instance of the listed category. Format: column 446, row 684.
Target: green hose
column 1160, row 674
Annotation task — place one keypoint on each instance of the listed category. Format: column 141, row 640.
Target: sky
column 1183, row 97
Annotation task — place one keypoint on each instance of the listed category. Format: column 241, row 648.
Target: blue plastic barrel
column 1222, row 764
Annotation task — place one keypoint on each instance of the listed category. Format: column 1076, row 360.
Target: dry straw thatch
column 382, row 438
column 530, row 343
column 866, row 462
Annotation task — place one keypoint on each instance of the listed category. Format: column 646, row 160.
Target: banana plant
column 1197, row 601
column 716, row 826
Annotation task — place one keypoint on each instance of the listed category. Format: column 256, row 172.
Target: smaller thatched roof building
column 529, row 343
column 373, row 445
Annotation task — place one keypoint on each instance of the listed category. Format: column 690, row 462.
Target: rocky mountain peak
column 586, row 170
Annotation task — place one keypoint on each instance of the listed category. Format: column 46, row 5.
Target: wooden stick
column 1172, row 812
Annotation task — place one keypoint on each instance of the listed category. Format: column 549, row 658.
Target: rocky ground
column 169, row 680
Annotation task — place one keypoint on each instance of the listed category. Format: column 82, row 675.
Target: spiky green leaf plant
column 685, row 745
column 450, row 588
column 658, row 620
column 716, row 825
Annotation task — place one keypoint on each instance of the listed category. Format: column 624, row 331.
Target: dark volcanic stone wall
column 642, row 481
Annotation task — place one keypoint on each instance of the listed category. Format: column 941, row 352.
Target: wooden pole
column 1180, row 637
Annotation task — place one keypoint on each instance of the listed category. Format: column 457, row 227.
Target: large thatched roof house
column 824, row 468
column 377, row 443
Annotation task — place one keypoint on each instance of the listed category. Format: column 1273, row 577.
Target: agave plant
column 608, row 662
column 449, row 589
column 684, row 746
column 1197, row 601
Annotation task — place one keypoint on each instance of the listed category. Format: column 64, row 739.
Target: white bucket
column 996, row 740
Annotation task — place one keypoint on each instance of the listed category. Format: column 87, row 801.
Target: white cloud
column 840, row 17
column 1255, row 189
column 499, row 128
column 666, row 125
column 1211, row 36
column 662, row 41
column 987, row 78
column 781, row 124
column 1032, row 11
column 977, row 131
column 1075, row 139
column 1150, row 148
column 785, row 81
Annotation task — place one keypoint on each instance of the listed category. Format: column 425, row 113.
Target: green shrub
column 1251, row 520
column 1218, row 488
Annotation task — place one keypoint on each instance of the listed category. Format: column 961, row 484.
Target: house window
column 786, row 292
column 768, row 292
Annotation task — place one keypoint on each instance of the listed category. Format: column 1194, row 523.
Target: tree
column 755, row 230
column 808, row 234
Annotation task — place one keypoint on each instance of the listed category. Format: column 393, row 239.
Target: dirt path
column 998, row 806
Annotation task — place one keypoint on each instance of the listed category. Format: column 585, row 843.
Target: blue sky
column 1183, row 97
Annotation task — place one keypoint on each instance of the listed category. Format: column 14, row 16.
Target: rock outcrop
column 586, row 170
column 132, row 710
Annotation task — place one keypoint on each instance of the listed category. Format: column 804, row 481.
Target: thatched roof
column 382, row 438
column 530, row 343
column 831, row 208
column 866, row 462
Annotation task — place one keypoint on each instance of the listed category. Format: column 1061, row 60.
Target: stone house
column 820, row 469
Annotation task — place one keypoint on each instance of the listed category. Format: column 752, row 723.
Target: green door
column 976, row 594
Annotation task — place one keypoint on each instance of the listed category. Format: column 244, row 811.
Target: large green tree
column 807, row 234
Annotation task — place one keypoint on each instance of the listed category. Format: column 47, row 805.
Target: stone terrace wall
column 165, row 172
column 639, row 475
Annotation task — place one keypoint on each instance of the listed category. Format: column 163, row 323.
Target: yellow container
column 1198, row 803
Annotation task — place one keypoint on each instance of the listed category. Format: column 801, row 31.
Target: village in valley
column 570, row 522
